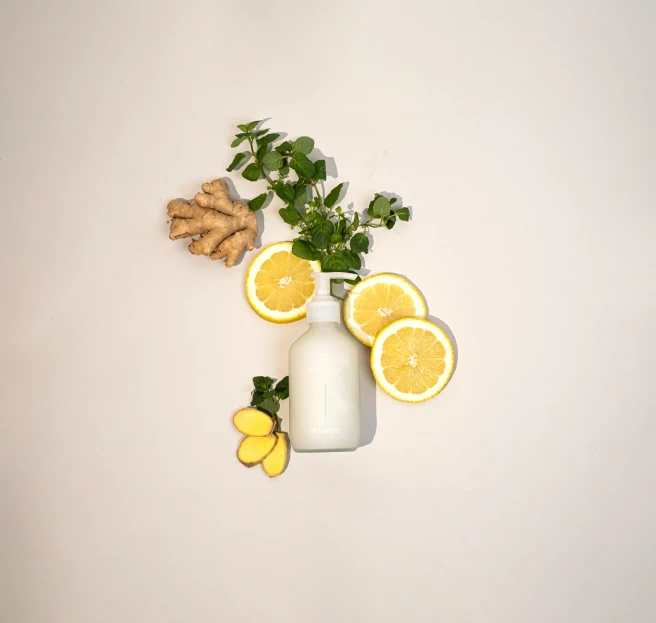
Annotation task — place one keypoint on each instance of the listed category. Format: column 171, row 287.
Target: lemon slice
column 378, row 300
column 412, row 359
column 279, row 284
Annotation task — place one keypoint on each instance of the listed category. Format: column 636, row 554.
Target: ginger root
column 253, row 450
column 253, row 422
column 275, row 462
column 226, row 227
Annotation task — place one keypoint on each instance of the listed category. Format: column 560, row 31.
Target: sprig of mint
column 266, row 397
column 326, row 232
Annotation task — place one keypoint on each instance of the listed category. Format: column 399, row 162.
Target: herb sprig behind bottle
column 325, row 231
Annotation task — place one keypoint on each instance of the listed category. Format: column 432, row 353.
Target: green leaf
column 262, row 383
column 261, row 150
column 252, row 172
column 381, row 207
column 352, row 259
column 282, row 388
column 304, row 144
column 356, row 222
column 333, row 196
column 312, row 217
column 305, row 250
column 358, row 279
column 392, row 200
column 255, row 204
column 260, row 132
column 251, row 126
column 284, row 171
column 333, row 263
column 360, row 243
column 289, row 214
column 321, row 233
column 320, row 168
column 336, row 238
column 272, row 161
column 391, row 220
column 288, row 193
column 239, row 159
column 284, row 148
column 243, row 127
column 300, row 194
column 403, row 214
column 269, row 138
column 269, row 404
column 341, row 226
column 241, row 137
column 302, row 165
column 284, row 191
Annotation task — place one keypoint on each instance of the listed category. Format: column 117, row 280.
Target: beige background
column 523, row 134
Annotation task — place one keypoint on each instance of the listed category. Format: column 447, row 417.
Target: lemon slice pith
column 379, row 300
column 279, row 284
column 412, row 359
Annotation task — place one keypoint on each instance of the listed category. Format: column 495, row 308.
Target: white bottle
column 324, row 378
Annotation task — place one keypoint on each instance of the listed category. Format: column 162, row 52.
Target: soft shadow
column 398, row 203
column 368, row 420
column 452, row 338
column 289, row 451
column 399, row 200
column 259, row 217
column 234, row 193
column 235, row 196
column 416, row 287
column 439, row 322
column 331, row 165
column 343, row 192
column 260, row 126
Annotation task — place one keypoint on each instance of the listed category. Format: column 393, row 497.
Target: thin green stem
column 341, row 298
column 259, row 162
column 323, row 208
column 301, row 215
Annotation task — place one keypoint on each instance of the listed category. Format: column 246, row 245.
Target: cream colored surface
column 523, row 134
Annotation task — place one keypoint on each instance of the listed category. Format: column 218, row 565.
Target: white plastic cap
column 323, row 307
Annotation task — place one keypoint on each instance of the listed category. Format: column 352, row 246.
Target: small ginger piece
column 275, row 462
column 253, row 450
column 253, row 422
column 226, row 227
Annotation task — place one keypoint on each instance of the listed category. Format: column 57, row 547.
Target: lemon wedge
column 412, row 359
column 379, row 300
column 279, row 284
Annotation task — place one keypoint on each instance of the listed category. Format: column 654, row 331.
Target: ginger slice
column 274, row 464
column 253, row 450
column 253, row 422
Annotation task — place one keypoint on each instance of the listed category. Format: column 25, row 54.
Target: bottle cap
column 323, row 307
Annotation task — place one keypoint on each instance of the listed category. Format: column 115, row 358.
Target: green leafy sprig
column 325, row 231
column 266, row 398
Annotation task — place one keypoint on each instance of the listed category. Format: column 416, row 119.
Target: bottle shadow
column 368, row 420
